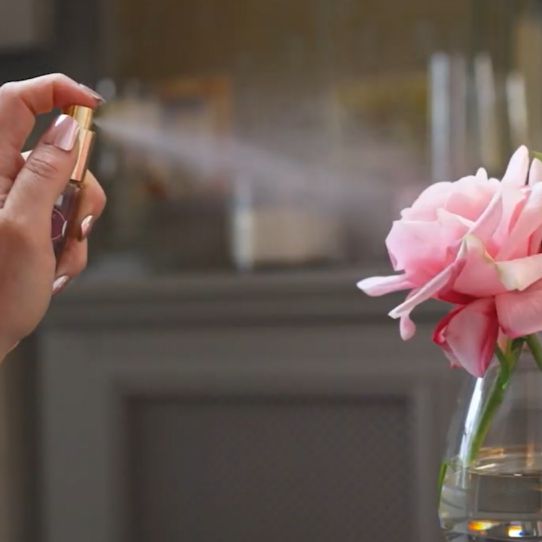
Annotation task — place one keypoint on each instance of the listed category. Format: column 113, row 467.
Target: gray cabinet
column 269, row 408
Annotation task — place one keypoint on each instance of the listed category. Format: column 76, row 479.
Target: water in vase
column 497, row 499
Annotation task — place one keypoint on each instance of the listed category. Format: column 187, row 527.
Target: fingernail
column 86, row 227
column 98, row 97
column 63, row 133
column 60, row 284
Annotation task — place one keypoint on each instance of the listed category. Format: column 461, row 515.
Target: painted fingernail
column 98, row 97
column 63, row 133
column 60, row 283
column 86, row 227
column 14, row 346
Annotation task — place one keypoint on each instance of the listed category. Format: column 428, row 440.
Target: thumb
column 46, row 172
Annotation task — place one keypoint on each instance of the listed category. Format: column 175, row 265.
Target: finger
column 20, row 102
column 4, row 194
column 15, row 165
column 92, row 202
column 73, row 261
column 45, row 173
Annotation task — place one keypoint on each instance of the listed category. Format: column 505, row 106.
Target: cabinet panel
column 283, row 425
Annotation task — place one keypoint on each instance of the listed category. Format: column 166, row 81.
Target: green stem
column 536, row 348
column 507, row 361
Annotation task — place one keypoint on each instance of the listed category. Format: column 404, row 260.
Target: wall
column 161, row 39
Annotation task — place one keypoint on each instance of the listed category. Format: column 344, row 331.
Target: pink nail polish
column 14, row 346
column 60, row 283
column 86, row 227
column 66, row 205
column 63, row 133
column 98, row 97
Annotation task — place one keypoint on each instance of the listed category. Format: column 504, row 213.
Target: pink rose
column 474, row 243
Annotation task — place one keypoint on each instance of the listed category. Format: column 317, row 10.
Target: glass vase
column 491, row 477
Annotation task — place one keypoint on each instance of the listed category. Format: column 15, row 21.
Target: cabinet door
column 307, row 432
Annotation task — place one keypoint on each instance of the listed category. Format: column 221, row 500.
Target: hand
column 28, row 191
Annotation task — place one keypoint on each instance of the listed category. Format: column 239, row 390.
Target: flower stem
column 536, row 349
column 507, row 361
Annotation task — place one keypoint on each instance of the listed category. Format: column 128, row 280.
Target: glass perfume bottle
column 66, row 205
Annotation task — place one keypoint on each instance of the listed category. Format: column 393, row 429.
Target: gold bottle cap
column 83, row 115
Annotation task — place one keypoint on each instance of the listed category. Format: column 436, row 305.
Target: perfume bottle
column 66, row 206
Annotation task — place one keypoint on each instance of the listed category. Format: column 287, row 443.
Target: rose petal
column 520, row 313
column 470, row 197
column 535, row 173
column 407, row 328
column 468, row 336
column 513, row 201
column 455, row 298
column 432, row 198
column 516, row 173
column 481, row 174
column 516, row 243
column 457, row 222
column 430, row 289
column 416, row 246
column 479, row 276
column 451, row 230
column 439, row 336
column 535, row 242
column 521, row 273
column 376, row 286
column 489, row 220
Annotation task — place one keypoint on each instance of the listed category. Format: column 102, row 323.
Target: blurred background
column 215, row 376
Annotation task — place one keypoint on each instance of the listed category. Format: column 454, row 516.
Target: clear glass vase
column 491, row 478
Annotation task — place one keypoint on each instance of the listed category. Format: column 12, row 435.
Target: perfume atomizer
column 66, row 206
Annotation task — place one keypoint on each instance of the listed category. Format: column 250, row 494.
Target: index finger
column 21, row 102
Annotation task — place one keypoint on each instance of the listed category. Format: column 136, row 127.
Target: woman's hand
column 28, row 191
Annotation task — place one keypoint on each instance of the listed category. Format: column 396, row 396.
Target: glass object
column 66, row 205
column 491, row 478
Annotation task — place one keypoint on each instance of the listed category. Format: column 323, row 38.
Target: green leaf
column 504, row 359
column 517, row 345
column 494, row 400
column 441, row 476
